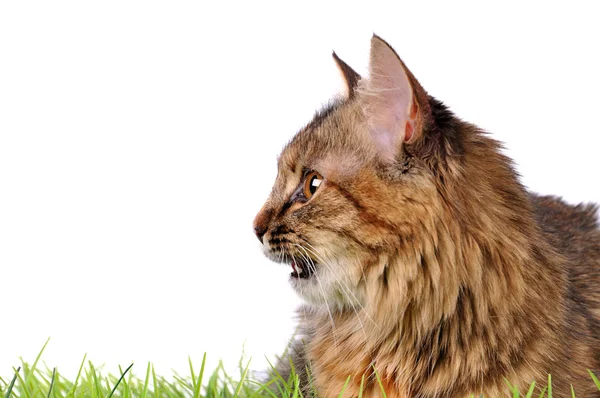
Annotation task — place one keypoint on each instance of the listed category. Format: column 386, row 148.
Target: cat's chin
column 319, row 292
column 314, row 283
column 309, row 290
column 304, row 281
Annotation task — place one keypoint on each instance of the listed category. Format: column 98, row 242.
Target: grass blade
column 362, row 386
column 280, row 383
column 263, row 387
column 98, row 383
column 154, row 381
column 51, row 381
column 127, row 391
column 341, row 394
column 198, row 383
column 29, row 376
column 549, row 385
column 71, row 392
column 192, row 373
column 239, row 386
column 516, row 393
column 513, row 389
column 25, row 391
column 12, row 383
column 596, row 381
column 531, row 389
column 119, row 381
column 380, row 383
column 296, row 386
column 146, row 380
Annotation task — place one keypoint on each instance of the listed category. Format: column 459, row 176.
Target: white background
column 139, row 139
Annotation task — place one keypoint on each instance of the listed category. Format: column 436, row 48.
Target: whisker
column 322, row 259
column 343, row 285
column 310, row 261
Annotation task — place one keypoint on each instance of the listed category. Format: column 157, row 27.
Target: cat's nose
column 261, row 223
column 260, row 230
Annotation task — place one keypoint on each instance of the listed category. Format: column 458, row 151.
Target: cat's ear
column 351, row 78
column 394, row 102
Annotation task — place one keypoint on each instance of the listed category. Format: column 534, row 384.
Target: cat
column 426, row 267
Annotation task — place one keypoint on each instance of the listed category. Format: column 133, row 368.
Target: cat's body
column 421, row 255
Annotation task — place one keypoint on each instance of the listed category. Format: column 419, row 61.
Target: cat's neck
column 485, row 259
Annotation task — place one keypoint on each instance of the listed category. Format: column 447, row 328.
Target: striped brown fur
column 433, row 264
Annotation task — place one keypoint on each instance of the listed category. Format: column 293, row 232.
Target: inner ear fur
column 394, row 102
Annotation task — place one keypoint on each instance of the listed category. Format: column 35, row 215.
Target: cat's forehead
column 330, row 143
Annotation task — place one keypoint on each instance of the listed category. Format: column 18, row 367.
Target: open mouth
column 302, row 268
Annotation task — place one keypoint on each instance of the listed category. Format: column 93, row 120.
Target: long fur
column 438, row 270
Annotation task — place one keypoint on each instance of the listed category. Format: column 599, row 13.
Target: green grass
column 33, row 381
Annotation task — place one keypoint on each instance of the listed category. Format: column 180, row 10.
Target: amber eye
column 311, row 184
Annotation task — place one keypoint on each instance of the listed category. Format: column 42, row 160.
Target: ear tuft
column 351, row 78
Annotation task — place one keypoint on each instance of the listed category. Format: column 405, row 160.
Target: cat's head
column 356, row 203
